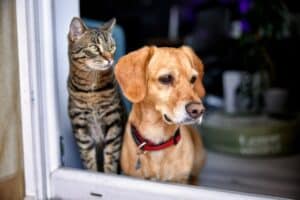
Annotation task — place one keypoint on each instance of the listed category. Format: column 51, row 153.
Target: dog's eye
column 193, row 79
column 166, row 79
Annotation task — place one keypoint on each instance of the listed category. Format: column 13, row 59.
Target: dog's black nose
column 194, row 109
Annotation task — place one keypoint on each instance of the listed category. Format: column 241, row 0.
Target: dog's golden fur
column 138, row 75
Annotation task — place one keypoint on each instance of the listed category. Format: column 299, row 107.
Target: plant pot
column 250, row 135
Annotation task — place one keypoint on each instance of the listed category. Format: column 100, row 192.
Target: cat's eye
column 193, row 79
column 112, row 49
column 90, row 54
column 93, row 48
column 167, row 79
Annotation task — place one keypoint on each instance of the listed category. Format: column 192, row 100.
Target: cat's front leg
column 87, row 148
column 112, row 150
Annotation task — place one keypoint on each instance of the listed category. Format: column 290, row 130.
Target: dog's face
column 169, row 79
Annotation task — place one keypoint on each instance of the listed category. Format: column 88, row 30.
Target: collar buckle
column 140, row 148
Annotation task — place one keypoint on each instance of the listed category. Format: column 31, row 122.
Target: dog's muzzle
column 190, row 113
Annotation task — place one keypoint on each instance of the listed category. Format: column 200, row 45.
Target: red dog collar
column 146, row 145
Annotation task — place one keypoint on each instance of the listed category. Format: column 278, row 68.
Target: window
column 44, row 66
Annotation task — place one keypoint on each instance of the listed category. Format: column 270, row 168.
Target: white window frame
column 38, row 47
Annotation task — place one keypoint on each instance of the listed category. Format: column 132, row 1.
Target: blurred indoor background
column 227, row 34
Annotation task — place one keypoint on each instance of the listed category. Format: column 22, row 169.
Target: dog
column 165, row 87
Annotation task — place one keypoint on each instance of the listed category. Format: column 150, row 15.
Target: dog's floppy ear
column 198, row 65
column 130, row 73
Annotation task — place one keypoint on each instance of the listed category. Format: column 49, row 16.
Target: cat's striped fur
column 95, row 106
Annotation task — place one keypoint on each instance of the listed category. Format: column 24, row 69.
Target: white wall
column 65, row 11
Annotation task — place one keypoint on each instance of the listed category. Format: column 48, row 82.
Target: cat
column 95, row 107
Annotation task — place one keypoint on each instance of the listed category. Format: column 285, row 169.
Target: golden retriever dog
column 165, row 86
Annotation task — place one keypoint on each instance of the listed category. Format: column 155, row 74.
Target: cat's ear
column 108, row 26
column 77, row 28
column 130, row 73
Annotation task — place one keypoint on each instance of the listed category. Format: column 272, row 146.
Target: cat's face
column 92, row 48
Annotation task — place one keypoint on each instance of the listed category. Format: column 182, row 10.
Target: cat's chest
column 95, row 114
column 95, row 125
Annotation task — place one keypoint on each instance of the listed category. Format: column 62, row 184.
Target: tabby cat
column 95, row 107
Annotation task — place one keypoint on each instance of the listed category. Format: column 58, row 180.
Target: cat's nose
column 109, row 58
column 106, row 55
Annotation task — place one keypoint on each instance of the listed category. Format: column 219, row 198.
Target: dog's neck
column 150, row 123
